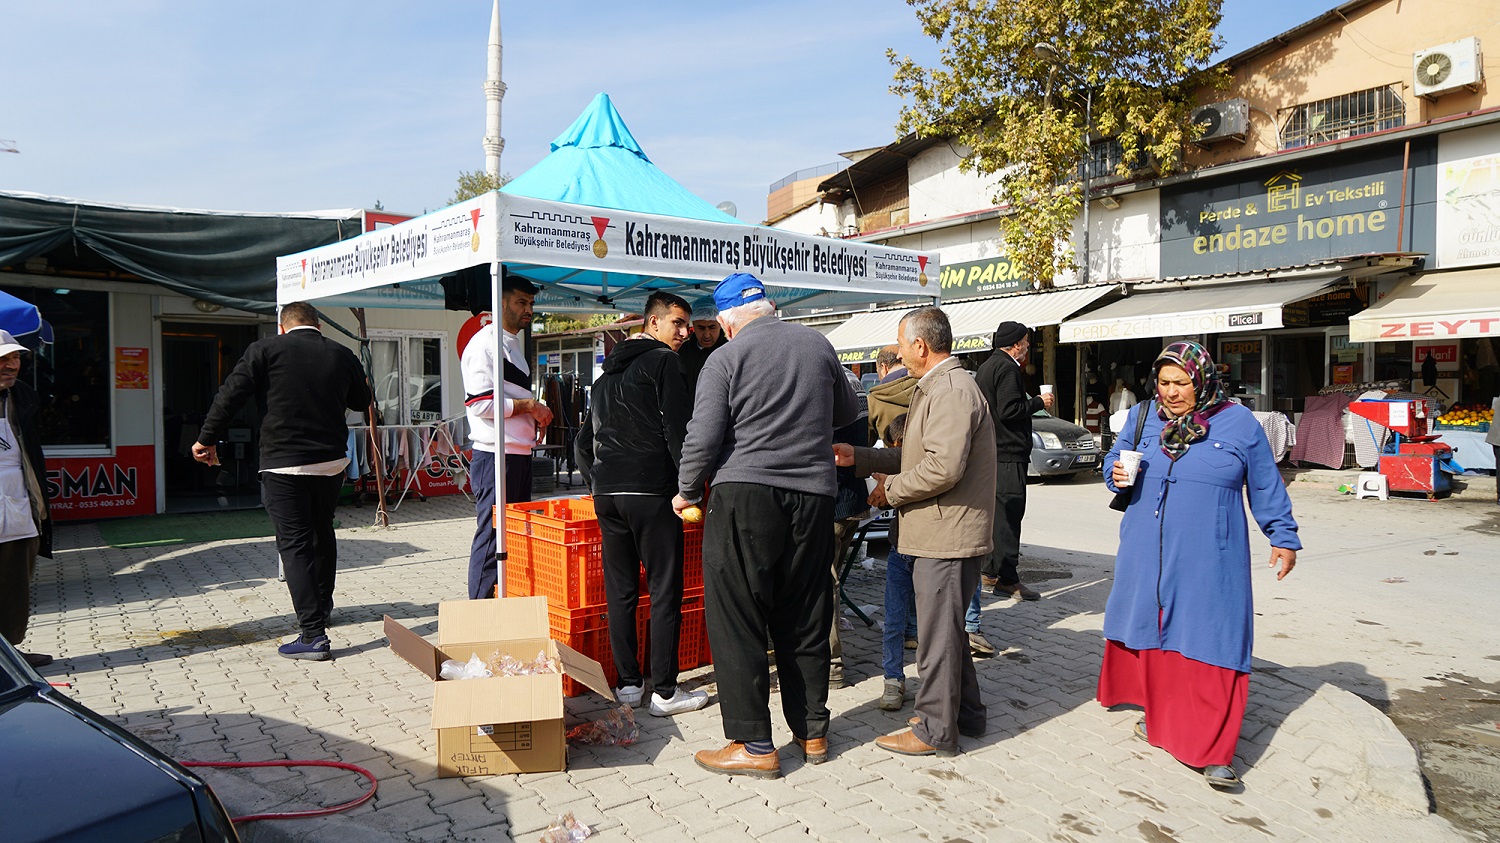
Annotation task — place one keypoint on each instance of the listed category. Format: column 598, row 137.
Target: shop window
column 72, row 375
column 408, row 371
column 1343, row 116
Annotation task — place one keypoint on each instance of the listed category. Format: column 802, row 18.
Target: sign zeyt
column 1284, row 217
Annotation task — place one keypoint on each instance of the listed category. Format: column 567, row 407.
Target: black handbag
column 1122, row 499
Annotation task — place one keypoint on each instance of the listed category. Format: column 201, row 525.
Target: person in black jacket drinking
column 628, row 450
column 302, row 382
column 1011, row 407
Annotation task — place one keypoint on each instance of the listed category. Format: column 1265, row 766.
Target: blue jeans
column 900, row 614
column 971, row 617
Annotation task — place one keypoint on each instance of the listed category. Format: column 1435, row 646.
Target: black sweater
column 999, row 378
column 631, row 440
column 302, row 382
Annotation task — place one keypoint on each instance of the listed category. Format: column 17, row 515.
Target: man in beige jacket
column 942, row 484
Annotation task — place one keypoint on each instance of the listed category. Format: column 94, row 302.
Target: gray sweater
column 766, row 407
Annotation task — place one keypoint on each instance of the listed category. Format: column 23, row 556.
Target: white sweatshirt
column 480, row 375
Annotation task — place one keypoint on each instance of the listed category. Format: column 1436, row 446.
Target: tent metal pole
column 498, row 517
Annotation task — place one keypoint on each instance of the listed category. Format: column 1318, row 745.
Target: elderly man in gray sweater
column 762, row 433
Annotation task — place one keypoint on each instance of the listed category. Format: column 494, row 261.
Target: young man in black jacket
column 628, row 449
column 302, row 382
column 999, row 378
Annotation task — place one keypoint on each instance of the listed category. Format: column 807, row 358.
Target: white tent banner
column 607, row 247
column 428, row 246
column 536, row 231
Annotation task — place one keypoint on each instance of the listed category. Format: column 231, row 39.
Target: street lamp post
column 1048, row 53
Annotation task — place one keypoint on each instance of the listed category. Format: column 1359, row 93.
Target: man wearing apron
column 25, row 525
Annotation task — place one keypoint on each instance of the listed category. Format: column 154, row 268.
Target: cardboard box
column 504, row 724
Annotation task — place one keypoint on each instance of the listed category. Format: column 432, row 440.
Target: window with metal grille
column 1343, row 116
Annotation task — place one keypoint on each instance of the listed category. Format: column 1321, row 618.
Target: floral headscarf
column 1178, row 433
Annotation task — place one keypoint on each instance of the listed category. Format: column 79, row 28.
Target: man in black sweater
column 1011, row 407
column 628, row 449
column 302, row 383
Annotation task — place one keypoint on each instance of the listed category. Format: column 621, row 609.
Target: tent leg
column 498, row 519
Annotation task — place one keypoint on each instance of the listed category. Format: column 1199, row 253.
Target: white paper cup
column 1131, row 460
column 1046, row 389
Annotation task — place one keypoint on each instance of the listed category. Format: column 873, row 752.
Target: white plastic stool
column 1372, row 484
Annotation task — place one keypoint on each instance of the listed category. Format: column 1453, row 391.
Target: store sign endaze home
column 1294, row 215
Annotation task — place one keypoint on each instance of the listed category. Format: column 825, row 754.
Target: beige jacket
column 942, row 481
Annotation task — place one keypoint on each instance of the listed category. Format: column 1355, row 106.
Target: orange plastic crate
column 564, row 520
column 692, row 557
column 570, row 575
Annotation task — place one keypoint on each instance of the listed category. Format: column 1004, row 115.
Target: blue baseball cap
column 739, row 288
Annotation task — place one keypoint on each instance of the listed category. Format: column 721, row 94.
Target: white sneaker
column 680, row 702
column 630, row 695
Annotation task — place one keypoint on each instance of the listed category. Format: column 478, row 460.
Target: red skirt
column 1193, row 710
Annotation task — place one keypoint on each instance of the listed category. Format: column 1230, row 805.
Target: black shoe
column 319, row 649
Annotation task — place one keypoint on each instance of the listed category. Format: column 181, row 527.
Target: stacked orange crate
column 554, row 550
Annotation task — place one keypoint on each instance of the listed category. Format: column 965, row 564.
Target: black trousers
column 1010, row 508
column 483, row 573
column 642, row 530
column 301, row 509
column 17, row 565
column 766, row 572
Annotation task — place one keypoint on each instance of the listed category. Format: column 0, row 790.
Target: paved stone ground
column 177, row 644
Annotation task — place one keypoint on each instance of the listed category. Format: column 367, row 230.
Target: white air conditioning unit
column 1227, row 120
column 1447, row 67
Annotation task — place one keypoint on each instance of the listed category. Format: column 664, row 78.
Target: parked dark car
column 70, row 774
column 1060, row 448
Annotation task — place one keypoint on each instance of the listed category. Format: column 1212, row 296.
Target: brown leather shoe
column 907, row 743
column 968, row 733
column 735, row 760
column 37, row 659
column 988, row 581
column 1017, row 592
column 815, row 750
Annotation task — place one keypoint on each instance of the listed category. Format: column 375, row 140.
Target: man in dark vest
column 303, row 383
column 524, row 416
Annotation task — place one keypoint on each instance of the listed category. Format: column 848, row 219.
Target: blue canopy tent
column 598, row 227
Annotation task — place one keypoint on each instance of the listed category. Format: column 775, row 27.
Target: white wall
column 1124, row 242
column 818, row 219
column 937, row 189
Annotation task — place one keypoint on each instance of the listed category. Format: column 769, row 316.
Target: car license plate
column 1086, row 459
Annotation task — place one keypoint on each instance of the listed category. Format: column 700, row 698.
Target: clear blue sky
column 293, row 106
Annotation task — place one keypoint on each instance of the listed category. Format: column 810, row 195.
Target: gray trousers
column 17, row 565
column 949, row 696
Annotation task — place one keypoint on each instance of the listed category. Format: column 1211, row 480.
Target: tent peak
column 600, row 125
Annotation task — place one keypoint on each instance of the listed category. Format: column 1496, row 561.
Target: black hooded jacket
column 631, row 440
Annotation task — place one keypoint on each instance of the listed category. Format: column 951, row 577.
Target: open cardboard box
column 504, row 724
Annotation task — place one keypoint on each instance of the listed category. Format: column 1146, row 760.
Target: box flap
column 499, row 699
column 412, row 647
column 585, row 670
column 462, row 621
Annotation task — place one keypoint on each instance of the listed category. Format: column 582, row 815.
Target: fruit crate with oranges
column 1475, row 417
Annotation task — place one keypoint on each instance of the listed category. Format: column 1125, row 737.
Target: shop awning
column 1435, row 305
column 860, row 338
column 1216, row 309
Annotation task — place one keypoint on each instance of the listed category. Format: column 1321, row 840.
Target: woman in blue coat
column 1179, row 621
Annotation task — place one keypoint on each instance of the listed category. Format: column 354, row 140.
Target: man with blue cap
column 762, row 434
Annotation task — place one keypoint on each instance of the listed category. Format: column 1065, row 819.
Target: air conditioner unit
column 1227, row 120
column 1448, row 67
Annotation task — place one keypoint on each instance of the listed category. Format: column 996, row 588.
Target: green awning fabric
column 225, row 258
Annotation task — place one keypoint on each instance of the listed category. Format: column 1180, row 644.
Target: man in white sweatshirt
column 525, row 417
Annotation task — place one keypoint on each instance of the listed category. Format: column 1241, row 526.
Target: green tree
column 472, row 183
column 1023, row 118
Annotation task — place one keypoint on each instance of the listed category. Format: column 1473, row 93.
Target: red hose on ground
column 296, row 815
